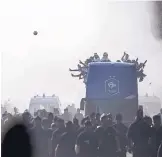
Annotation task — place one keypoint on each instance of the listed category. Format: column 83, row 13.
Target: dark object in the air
column 16, row 142
column 35, row 32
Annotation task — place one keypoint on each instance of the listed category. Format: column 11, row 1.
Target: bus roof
column 120, row 77
column 118, row 64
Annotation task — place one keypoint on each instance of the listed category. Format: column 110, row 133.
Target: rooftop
column 118, row 64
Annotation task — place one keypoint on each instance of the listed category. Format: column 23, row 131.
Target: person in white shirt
column 79, row 116
column 105, row 57
column 66, row 116
column 96, row 57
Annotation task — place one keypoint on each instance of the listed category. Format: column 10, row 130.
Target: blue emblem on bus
column 112, row 86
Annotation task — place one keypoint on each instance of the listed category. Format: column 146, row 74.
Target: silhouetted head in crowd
column 157, row 120
column 87, row 61
column 98, row 116
column 119, row 118
column 4, row 114
column 65, row 110
column 139, row 114
column 83, row 121
column 55, row 119
column 60, row 123
column 105, row 55
column 50, row 116
column 91, row 59
column 109, row 119
column 103, row 120
column 96, row 56
column 148, row 120
column 37, row 122
column 35, row 114
column 26, row 117
column 126, row 56
column 75, row 121
column 93, row 116
column 53, row 126
column 9, row 115
column 88, row 125
column 78, row 110
column 87, row 118
column 69, row 126
column 109, row 115
column 45, row 123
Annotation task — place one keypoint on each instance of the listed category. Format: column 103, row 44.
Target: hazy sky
column 69, row 31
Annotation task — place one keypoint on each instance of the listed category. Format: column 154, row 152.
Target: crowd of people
column 82, row 67
column 92, row 136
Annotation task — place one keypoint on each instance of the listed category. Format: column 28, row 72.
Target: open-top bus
column 111, row 88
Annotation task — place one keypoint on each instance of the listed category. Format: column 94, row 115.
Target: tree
column 82, row 67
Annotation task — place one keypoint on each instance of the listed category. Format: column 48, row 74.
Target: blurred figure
column 45, row 124
column 76, row 124
column 148, row 120
column 50, row 119
column 105, row 57
column 57, row 134
column 86, row 142
column 93, row 120
column 66, row 115
column 125, row 58
column 38, row 138
column 121, row 132
column 51, row 130
column 81, row 129
column 110, row 117
column 55, row 119
column 16, row 111
column 27, row 119
column 139, row 134
column 104, row 121
column 53, row 127
column 37, row 123
column 107, row 138
column 79, row 116
column 100, row 129
column 66, row 144
column 96, row 57
column 98, row 122
column 8, row 119
column 157, row 133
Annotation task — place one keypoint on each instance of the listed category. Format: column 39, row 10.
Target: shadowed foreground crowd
column 96, row 136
